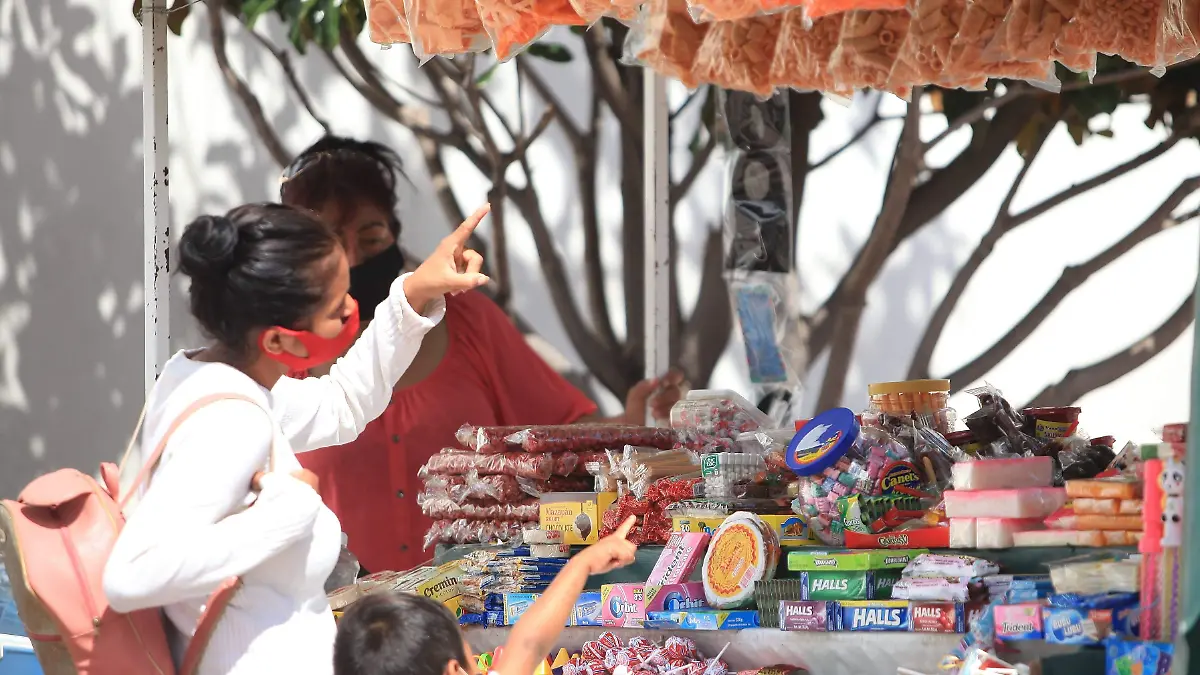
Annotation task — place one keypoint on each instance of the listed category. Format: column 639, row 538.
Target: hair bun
column 207, row 246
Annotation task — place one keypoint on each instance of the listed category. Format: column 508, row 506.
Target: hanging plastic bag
column 867, row 50
column 926, row 49
column 968, row 54
column 731, row 10
column 513, row 25
column 444, row 28
column 666, row 40
column 737, row 55
column 816, row 9
column 1129, row 29
column 1030, row 32
column 387, row 24
column 802, row 54
column 1180, row 40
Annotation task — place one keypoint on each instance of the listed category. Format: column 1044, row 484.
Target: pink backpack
column 56, row 539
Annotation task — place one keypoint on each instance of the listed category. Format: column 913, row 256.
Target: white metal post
column 658, row 222
column 156, row 195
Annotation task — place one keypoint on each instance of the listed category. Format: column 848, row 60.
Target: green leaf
column 1093, row 101
column 486, row 75
column 253, row 9
column 579, row 30
column 1107, row 133
column 327, row 18
column 302, row 30
column 956, row 102
column 354, row 15
column 551, row 51
column 1078, row 131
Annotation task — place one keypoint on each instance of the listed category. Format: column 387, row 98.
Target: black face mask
column 371, row 281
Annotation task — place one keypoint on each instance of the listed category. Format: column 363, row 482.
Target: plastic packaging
column 1180, row 40
column 472, row 486
column 970, row 58
column 996, row 420
column 1107, row 507
column 931, row 590
column 717, row 413
column 1104, row 488
column 387, row 24
column 464, row 531
column 1130, row 29
column 957, row 566
column 488, row 440
column 514, row 24
column 997, row 533
column 665, row 39
column 820, row 8
column 1030, row 32
column 922, row 59
column 345, row 571
column 704, row 11
column 582, row 437
column 867, row 49
column 1086, row 576
column 444, row 28
column 525, row 510
column 737, row 55
column 743, row 551
column 964, row 532
column 641, row 467
column 1003, row 474
column 461, row 462
column 923, row 397
column 802, row 54
column 1049, row 423
column 1021, row 503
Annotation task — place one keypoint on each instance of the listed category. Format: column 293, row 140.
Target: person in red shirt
column 474, row 367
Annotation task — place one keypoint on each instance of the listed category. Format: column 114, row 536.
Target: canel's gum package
column 738, row 54
column 665, row 39
column 444, row 28
column 513, row 25
column 1030, row 32
column 867, row 49
column 387, row 24
column 802, row 54
column 970, row 56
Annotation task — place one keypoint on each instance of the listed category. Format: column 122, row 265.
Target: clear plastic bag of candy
column 463, row 531
column 802, row 54
column 581, row 437
column 441, row 508
column 926, row 50
column 666, row 40
column 1030, row 32
column 1180, row 40
column 718, row 413
column 867, row 49
column 488, row 440
column 444, row 28
column 971, row 57
column 472, row 486
column 387, row 24
column 640, row 467
column 461, row 462
column 512, row 25
column 819, row 8
column 933, row 457
column 1130, row 29
column 737, row 55
column 704, row 11
column 996, row 420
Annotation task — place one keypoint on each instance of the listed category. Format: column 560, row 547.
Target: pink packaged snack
column 675, row 597
column 1003, row 474
column 1018, row 622
column 580, row 437
column 1020, row 503
column 623, row 605
column 679, row 558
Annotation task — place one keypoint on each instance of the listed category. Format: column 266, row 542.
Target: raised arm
column 189, row 532
column 316, row 412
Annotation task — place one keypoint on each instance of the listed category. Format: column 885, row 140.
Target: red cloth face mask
column 320, row 350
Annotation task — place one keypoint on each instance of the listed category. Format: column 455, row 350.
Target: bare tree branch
column 706, row 332
column 289, row 73
column 574, row 134
column 609, row 78
column 848, row 316
column 1072, row 278
column 241, row 90
column 585, row 174
column 1080, row 381
column 1001, row 225
column 858, row 136
column 804, row 114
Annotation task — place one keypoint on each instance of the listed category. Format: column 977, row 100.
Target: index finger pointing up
column 464, row 231
column 623, row 531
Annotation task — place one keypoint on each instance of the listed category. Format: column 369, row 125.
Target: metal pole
column 156, row 228
column 1187, row 646
column 658, row 221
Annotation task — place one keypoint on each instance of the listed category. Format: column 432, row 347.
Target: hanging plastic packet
column 756, row 317
column 867, row 50
column 513, row 25
column 1180, row 39
column 926, row 49
column 704, row 11
column 969, row 55
column 737, row 55
column 816, row 9
column 387, row 24
column 1130, row 29
column 444, row 28
column 802, row 54
column 1030, row 32
column 665, row 39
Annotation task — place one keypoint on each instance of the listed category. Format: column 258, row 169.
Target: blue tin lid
column 822, row 442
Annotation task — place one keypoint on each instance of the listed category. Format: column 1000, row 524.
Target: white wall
column 71, row 239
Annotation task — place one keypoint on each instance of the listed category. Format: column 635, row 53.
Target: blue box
column 516, row 604
column 875, row 616
column 703, row 620
column 1076, row 626
column 587, row 610
column 17, row 657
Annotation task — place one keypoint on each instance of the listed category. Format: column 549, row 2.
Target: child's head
column 400, row 634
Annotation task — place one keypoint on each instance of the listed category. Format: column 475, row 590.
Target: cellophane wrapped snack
column 441, row 508
column 704, row 11
column 1180, row 40
column 1130, row 29
column 926, row 50
column 514, row 24
column 444, row 28
column 463, row 531
column 717, row 413
column 472, row 486
column 1030, row 32
column 488, row 440
column 820, row 8
column 738, row 54
column 802, row 54
column 387, row 24
column 666, row 40
column 867, row 49
column 461, row 462
column 970, row 55
column 581, row 437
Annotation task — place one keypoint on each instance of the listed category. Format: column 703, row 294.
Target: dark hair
column 346, row 172
column 397, row 634
column 257, row 266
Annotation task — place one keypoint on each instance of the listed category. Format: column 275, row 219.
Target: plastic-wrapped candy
column 738, row 54
column 1030, row 32
column 387, row 24
column 464, row 531
column 444, row 27
column 525, row 510
column 473, row 486
column 704, row 11
column 802, row 54
column 1130, row 29
column 1180, row 40
column 971, row 56
column 867, row 49
column 461, row 462
column 820, row 8
column 665, row 39
column 580, row 437
column 722, row 414
column 488, row 440
column 923, row 56
column 514, row 24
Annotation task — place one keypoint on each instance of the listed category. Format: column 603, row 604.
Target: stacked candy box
column 996, row 500
column 1103, row 512
column 835, row 577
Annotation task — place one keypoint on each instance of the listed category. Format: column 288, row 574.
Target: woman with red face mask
column 474, row 367
column 270, row 285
